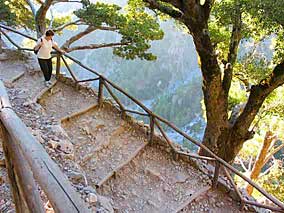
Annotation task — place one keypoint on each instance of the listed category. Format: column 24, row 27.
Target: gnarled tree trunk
column 261, row 158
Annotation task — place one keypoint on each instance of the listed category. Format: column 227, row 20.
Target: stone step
column 62, row 100
column 11, row 66
column 29, row 86
column 103, row 141
column 153, row 182
column 212, row 201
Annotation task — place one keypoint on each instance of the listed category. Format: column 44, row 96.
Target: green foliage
column 274, row 105
column 237, row 95
column 260, row 19
column 220, row 36
column 136, row 27
column 5, row 13
column 273, row 183
column 61, row 20
column 16, row 13
column 101, row 13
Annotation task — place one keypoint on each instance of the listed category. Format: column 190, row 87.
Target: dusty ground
column 98, row 148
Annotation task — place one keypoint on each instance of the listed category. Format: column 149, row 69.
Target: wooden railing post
column 152, row 127
column 101, row 91
column 58, row 64
column 20, row 204
column 26, row 183
column 216, row 175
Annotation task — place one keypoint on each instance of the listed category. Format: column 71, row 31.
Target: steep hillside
column 108, row 159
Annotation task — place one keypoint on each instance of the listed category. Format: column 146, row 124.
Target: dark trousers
column 46, row 67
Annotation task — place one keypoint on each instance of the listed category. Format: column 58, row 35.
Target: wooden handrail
column 54, row 183
column 104, row 80
column 69, row 69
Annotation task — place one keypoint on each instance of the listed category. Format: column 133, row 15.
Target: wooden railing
column 28, row 164
column 155, row 121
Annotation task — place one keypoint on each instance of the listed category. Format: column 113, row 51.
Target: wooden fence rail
column 29, row 163
column 154, row 120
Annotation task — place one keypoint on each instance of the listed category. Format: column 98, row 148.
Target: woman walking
column 43, row 48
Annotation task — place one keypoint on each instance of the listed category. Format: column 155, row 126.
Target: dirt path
column 97, row 148
column 63, row 100
column 104, row 142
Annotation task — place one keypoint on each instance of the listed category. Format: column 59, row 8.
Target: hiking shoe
column 47, row 83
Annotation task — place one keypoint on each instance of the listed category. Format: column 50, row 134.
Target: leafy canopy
column 136, row 27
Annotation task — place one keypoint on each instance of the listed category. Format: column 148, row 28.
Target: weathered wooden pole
column 121, row 107
column 61, row 194
column 58, row 64
column 20, row 204
column 216, row 175
column 28, row 187
column 152, row 126
column 69, row 69
column 101, row 91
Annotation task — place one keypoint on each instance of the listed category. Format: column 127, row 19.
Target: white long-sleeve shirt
column 46, row 48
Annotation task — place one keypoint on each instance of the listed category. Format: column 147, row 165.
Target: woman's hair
column 49, row 33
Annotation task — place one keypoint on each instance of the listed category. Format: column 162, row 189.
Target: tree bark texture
column 260, row 159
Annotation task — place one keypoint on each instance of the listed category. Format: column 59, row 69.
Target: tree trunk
column 260, row 160
column 214, row 97
column 40, row 17
column 223, row 137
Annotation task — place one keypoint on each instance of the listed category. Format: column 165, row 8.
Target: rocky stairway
column 103, row 142
column 114, row 155
column 62, row 100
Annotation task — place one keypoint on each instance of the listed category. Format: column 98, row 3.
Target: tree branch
column 60, row 28
column 32, row 7
column 66, row 1
column 154, row 5
column 96, row 46
column 52, row 18
column 273, row 152
column 40, row 1
column 233, row 49
column 266, row 171
column 242, row 164
column 41, row 15
column 256, row 98
column 107, row 28
column 250, row 163
column 78, row 36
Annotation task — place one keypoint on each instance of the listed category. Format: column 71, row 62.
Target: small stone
column 8, row 84
column 181, row 178
column 66, row 146
column 153, row 173
column 92, row 198
column 86, row 129
column 53, row 144
column 76, row 177
column 89, row 189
